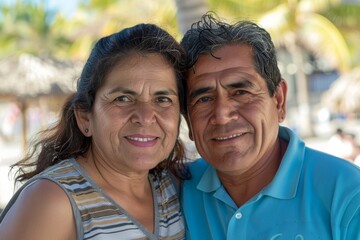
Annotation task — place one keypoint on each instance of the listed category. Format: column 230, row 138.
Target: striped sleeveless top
column 98, row 217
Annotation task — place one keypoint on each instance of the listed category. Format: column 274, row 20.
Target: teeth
column 229, row 137
column 141, row 139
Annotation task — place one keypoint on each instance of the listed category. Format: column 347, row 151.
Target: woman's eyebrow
column 167, row 91
column 122, row 90
column 125, row 90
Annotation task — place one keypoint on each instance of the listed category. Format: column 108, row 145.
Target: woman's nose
column 144, row 114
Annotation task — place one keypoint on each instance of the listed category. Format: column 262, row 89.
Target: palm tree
column 334, row 23
column 303, row 24
column 98, row 18
column 27, row 27
column 189, row 11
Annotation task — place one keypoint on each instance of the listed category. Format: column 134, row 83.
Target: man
column 256, row 179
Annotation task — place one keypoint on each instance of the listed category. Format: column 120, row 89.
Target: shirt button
column 238, row 215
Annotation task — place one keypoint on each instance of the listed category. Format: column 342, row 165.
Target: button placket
column 238, row 215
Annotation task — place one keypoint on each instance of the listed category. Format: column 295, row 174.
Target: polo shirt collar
column 209, row 181
column 286, row 180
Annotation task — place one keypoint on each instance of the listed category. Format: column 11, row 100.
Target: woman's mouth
column 140, row 139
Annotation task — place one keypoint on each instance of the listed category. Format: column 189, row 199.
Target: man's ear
column 280, row 98
column 83, row 122
column 189, row 126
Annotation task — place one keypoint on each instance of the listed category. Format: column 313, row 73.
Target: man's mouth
column 229, row 137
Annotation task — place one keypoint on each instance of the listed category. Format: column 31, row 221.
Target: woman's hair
column 210, row 34
column 65, row 140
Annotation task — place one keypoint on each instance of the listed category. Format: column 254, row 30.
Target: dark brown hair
column 64, row 140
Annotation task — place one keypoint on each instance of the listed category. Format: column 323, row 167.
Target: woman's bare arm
column 42, row 211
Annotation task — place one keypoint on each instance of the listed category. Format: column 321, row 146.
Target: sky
column 65, row 6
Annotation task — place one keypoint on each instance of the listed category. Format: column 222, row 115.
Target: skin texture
column 138, row 100
column 234, row 121
column 134, row 126
column 42, row 211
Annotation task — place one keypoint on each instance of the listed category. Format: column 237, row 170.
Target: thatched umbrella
column 343, row 95
column 27, row 79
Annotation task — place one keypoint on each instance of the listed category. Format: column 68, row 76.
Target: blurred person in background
column 107, row 169
column 256, row 179
column 342, row 145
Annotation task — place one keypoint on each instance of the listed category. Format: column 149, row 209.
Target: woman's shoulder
column 41, row 203
column 63, row 167
column 66, row 173
column 46, row 194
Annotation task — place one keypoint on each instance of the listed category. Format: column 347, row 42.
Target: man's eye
column 240, row 92
column 204, row 99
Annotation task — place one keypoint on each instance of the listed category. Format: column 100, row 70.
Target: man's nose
column 224, row 111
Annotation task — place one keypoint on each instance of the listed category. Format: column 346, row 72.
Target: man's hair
column 210, row 34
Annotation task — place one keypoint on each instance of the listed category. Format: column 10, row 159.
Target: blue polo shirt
column 313, row 196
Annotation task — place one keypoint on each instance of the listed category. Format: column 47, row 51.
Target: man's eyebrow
column 199, row 91
column 241, row 84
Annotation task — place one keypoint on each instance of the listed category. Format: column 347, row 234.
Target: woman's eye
column 123, row 99
column 164, row 101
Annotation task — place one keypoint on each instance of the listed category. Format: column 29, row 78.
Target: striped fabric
column 99, row 217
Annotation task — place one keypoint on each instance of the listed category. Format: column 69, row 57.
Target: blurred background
column 44, row 44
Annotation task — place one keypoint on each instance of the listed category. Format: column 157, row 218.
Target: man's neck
column 243, row 187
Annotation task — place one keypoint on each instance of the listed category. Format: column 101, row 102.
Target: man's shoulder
column 328, row 161
column 198, row 165
column 197, row 168
column 331, row 170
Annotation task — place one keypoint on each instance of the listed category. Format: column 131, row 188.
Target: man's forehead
column 229, row 56
column 225, row 74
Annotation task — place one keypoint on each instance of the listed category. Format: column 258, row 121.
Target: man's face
column 233, row 119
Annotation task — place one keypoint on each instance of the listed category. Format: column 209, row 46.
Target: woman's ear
column 83, row 122
column 280, row 97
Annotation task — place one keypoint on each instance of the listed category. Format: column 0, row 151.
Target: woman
column 103, row 171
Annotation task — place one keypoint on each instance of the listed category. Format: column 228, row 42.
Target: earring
column 86, row 130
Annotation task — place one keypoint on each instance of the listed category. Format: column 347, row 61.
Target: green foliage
column 333, row 24
column 28, row 28
column 32, row 28
column 106, row 17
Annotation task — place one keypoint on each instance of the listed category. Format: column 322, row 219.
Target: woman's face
column 135, row 119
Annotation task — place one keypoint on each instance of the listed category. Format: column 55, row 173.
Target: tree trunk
column 304, row 110
column 190, row 11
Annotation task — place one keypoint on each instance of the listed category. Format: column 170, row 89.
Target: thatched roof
column 29, row 79
column 343, row 95
column 27, row 76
